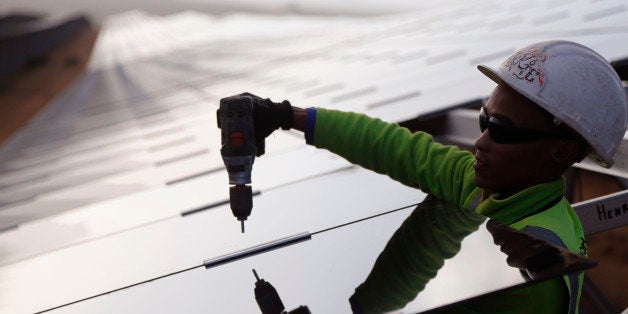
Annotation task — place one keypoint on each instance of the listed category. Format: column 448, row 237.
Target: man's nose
column 482, row 143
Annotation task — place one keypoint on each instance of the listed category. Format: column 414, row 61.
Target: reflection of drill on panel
column 269, row 301
column 235, row 118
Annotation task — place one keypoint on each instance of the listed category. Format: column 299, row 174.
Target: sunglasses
column 502, row 132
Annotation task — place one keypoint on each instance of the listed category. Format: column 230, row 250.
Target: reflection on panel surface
column 178, row 242
column 410, row 260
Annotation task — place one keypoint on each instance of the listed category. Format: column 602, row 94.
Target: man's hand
column 268, row 117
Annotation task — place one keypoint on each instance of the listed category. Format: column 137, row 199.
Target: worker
column 555, row 103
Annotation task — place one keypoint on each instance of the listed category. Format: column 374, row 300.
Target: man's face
column 512, row 167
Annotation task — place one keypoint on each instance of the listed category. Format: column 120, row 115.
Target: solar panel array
column 119, row 181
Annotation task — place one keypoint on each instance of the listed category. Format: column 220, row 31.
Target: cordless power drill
column 235, row 119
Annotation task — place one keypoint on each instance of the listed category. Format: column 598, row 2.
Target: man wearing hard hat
column 556, row 102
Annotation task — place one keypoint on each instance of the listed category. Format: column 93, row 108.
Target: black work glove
column 268, row 116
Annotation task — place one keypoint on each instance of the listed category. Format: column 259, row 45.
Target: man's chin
column 478, row 181
column 482, row 183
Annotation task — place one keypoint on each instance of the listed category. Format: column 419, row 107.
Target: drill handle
column 218, row 118
column 260, row 143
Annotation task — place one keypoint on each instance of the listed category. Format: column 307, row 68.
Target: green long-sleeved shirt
column 446, row 172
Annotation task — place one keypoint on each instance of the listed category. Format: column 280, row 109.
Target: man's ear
column 566, row 152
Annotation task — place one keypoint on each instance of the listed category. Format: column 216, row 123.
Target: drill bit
column 242, row 223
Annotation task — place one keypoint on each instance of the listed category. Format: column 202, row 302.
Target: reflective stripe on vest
column 571, row 279
column 475, row 202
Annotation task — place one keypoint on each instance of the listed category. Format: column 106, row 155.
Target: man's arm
column 413, row 159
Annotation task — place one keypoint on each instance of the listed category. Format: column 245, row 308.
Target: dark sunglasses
column 503, row 133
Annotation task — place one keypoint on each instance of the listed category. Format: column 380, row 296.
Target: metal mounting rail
column 603, row 213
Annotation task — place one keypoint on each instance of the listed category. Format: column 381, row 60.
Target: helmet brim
column 491, row 73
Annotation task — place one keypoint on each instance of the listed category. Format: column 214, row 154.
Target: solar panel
column 119, row 181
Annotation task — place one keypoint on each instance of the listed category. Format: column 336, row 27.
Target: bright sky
column 98, row 9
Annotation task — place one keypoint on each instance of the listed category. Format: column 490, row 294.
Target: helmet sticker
column 526, row 66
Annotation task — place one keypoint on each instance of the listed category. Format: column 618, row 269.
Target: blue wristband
column 310, row 122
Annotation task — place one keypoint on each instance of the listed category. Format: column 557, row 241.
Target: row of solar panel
column 137, row 133
column 377, row 87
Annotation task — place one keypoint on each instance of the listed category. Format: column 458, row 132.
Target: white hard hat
column 574, row 84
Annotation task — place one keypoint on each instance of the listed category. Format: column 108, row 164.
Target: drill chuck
column 241, row 201
column 267, row 297
column 269, row 301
